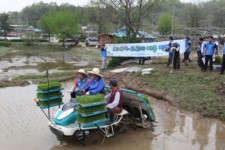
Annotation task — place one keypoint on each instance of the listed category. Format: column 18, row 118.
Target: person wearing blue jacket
column 170, row 50
column 104, row 57
column 223, row 60
column 80, row 84
column 97, row 84
column 187, row 50
column 209, row 51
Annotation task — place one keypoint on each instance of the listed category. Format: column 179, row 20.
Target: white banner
column 155, row 49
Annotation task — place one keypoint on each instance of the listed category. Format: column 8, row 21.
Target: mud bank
column 23, row 126
column 133, row 82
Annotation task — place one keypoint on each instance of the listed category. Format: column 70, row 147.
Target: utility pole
column 172, row 30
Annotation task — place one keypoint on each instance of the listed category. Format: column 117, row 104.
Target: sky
column 18, row 5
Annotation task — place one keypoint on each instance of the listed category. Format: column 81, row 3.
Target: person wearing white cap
column 223, row 60
column 81, row 84
column 97, row 84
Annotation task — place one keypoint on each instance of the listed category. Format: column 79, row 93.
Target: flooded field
column 22, row 62
column 23, row 126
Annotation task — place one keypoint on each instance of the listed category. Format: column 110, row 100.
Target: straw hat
column 81, row 71
column 223, row 36
column 95, row 71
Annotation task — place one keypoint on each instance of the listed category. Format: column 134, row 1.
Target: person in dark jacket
column 170, row 51
column 199, row 53
column 223, row 60
column 114, row 100
column 176, row 57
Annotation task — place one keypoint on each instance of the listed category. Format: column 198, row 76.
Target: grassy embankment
column 193, row 89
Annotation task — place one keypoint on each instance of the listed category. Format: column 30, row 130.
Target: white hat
column 81, row 71
column 223, row 36
column 95, row 71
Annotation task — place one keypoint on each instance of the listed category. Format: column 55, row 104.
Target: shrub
column 4, row 44
column 218, row 60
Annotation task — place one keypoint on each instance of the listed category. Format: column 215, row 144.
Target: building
column 105, row 39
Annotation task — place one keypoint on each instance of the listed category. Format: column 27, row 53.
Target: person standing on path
column 170, row 50
column 223, row 60
column 187, row 50
column 176, row 58
column 104, row 57
column 199, row 53
column 209, row 51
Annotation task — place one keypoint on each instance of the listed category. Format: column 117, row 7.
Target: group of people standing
column 207, row 48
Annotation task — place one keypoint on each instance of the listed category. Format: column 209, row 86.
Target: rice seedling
column 52, row 85
column 88, row 99
column 90, row 110
column 90, row 119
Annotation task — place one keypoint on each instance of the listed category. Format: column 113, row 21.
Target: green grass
column 52, row 85
column 90, row 110
column 91, row 118
column 43, row 96
column 192, row 89
column 88, row 99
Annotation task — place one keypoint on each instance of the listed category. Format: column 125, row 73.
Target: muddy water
column 24, row 127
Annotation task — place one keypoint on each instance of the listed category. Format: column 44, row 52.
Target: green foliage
column 52, row 85
column 90, row 110
column 116, row 61
column 90, row 119
column 165, row 23
column 63, row 23
column 88, row 99
column 218, row 60
column 4, row 44
column 4, row 24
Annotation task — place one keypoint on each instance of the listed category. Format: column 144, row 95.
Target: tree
column 4, row 24
column 46, row 24
column 99, row 15
column 165, row 23
column 193, row 16
column 131, row 12
column 62, row 23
